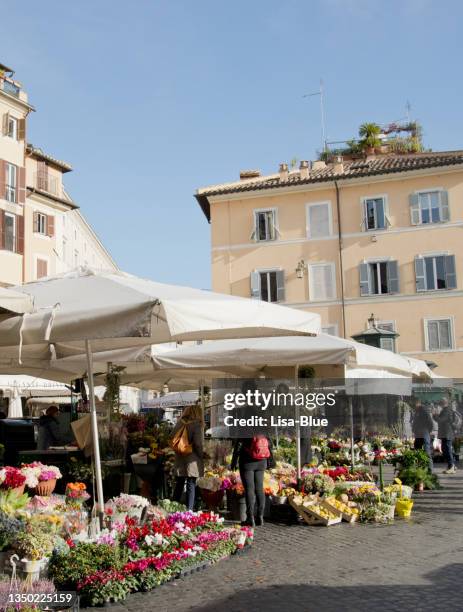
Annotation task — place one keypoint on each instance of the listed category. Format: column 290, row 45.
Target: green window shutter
column 420, row 274
column 444, row 203
column 364, row 273
column 255, row 285
column 393, row 277
column 280, row 274
column 414, row 209
column 450, row 272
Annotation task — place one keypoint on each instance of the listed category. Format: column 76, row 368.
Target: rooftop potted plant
column 370, row 140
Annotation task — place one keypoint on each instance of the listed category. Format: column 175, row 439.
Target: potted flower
column 12, row 478
column 33, row 546
column 41, row 478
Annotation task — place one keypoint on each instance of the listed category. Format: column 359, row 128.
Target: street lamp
column 301, row 268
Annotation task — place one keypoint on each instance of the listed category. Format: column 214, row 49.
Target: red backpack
column 259, row 448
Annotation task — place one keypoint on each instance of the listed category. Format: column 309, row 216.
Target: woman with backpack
column 187, row 442
column 253, row 456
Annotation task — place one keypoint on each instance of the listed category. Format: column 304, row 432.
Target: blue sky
column 151, row 99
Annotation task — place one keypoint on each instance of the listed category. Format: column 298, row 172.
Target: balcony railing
column 9, row 87
column 49, row 184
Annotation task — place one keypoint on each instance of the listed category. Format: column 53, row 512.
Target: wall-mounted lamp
column 301, row 268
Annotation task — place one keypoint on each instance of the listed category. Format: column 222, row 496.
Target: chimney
column 283, row 172
column 338, row 166
column 249, row 174
column 304, row 169
column 319, row 164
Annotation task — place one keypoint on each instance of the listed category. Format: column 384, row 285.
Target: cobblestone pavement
column 415, row 564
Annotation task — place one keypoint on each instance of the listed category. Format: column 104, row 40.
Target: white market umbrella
column 87, row 310
column 15, row 408
column 14, row 302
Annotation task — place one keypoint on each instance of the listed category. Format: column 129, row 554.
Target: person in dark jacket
column 189, row 467
column 252, row 476
column 49, row 430
column 422, row 426
column 446, row 421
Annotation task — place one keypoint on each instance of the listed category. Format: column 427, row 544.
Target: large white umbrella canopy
column 286, row 351
column 114, row 310
column 14, row 302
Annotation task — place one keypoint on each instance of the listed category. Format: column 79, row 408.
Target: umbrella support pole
column 96, row 445
column 298, row 427
column 351, row 417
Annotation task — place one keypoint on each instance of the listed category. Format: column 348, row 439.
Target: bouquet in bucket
column 76, row 494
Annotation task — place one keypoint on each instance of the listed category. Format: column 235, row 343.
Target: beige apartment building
column 42, row 231
column 382, row 234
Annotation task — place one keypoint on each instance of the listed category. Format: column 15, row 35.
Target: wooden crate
column 313, row 518
column 346, row 516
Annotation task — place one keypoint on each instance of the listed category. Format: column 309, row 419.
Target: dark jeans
column 252, row 477
column 447, row 451
column 190, row 490
column 424, row 443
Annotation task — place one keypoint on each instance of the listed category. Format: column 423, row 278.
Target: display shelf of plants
column 51, row 542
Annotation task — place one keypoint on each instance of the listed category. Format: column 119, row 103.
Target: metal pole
column 298, row 427
column 351, row 410
column 96, row 445
column 203, row 406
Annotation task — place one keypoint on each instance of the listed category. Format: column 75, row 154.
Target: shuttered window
column 379, row 277
column 11, row 183
column 264, row 225
column 319, row 220
column 439, row 334
column 374, row 214
column 322, row 282
column 435, row 272
column 9, row 232
column 268, row 285
column 429, row 207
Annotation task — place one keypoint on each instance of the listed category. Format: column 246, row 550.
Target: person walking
column 49, row 429
column 253, row 456
column 422, row 426
column 449, row 421
column 189, row 466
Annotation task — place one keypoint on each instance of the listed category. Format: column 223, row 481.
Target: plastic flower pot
column 45, row 488
column 404, row 507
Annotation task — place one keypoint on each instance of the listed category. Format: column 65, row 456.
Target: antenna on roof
column 320, row 93
column 408, row 108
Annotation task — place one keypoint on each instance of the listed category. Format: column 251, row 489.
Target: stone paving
column 413, row 564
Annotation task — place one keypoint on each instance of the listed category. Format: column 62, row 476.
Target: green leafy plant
column 369, row 134
column 11, row 501
column 414, row 467
column 33, row 544
column 67, row 568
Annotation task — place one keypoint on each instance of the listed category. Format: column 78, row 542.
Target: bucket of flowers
column 126, row 505
column 76, row 494
column 41, row 478
column 212, row 488
column 11, row 478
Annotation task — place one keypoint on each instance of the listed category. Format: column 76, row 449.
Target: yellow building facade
column 346, row 239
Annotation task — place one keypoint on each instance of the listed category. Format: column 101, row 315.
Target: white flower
column 2, row 475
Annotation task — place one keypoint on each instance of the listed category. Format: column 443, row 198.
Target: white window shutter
column 393, row 277
column 255, row 285
column 420, row 274
column 414, row 209
column 364, row 272
column 444, row 204
column 450, row 272
column 280, row 274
